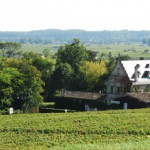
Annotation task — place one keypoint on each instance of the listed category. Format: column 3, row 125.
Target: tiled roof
column 140, row 96
column 81, row 95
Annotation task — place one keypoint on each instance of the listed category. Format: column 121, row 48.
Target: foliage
column 69, row 59
column 45, row 66
column 113, row 60
column 62, row 76
column 21, row 83
column 10, row 79
column 92, row 55
column 120, row 129
column 123, row 57
column 73, row 54
column 9, row 49
column 93, row 72
column 147, row 89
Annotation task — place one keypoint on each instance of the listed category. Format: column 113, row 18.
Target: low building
column 78, row 100
column 133, row 100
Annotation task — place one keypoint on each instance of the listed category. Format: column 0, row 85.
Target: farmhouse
column 128, row 84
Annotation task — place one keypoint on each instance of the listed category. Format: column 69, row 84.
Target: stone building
column 132, row 76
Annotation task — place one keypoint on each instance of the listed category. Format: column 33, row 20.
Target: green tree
column 72, row 54
column 10, row 79
column 123, row 57
column 9, row 49
column 93, row 73
column 63, row 76
column 69, row 59
column 28, row 93
column 92, row 55
column 46, row 67
column 47, row 53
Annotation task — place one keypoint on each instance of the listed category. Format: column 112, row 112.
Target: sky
column 90, row 15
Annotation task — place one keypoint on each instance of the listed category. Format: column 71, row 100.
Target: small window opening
column 146, row 74
column 118, row 89
column 138, row 75
column 111, row 89
column 147, row 66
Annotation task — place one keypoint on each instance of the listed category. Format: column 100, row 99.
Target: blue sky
column 91, row 15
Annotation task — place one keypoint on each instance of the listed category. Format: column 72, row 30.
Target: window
column 138, row 75
column 111, row 89
column 146, row 74
column 118, row 71
column 118, row 89
column 124, row 89
column 147, row 66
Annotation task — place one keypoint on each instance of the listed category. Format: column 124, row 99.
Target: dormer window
column 147, row 65
column 146, row 74
column 138, row 75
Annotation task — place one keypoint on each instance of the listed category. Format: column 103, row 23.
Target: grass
column 38, row 48
column 106, row 130
column 133, row 50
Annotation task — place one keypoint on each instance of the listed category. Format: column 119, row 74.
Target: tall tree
column 69, row 59
column 72, row 54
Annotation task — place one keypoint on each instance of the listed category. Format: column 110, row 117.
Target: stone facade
column 117, row 84
column 127, row 77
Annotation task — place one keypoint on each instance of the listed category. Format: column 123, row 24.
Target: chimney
column 136, row 74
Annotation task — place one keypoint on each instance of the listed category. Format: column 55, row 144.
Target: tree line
column 62, row 36
column 27, row 79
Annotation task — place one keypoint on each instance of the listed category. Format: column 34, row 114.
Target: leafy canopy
column 93, row 72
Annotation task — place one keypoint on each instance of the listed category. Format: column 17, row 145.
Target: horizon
column 88, row 15
column 80, row 30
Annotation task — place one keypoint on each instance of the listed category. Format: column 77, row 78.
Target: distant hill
column 66, row 36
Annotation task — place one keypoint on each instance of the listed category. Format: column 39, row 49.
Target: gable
column 119, row 70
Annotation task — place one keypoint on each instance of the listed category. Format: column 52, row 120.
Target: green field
column 103, row 130
column 38, row 48
column 133, row 50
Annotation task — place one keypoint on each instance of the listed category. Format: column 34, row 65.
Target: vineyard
column 110, row 130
